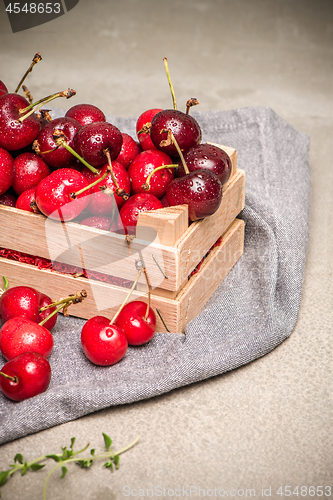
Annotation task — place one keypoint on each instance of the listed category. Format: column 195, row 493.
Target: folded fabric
column 252, row 311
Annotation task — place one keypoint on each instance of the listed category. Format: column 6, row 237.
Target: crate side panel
column 217, row 265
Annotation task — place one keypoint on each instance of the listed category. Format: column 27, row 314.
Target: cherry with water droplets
column 86, row 113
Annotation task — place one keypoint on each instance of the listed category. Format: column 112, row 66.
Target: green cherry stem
column 60, row 140
column 63, row 304
column 36, row 59
column 179, row 151
column 170, row 83
column 126, row 298
column 149, row 288
column 29, row 110
column 97, row 181
column 119, row 191
column 146, row 185
column 2, row 290
column 9, row 377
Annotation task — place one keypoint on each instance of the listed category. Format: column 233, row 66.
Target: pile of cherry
column 80, row 167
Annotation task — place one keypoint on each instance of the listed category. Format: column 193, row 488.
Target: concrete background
column 269, row 423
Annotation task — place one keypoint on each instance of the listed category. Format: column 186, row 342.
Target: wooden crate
column 170, row 248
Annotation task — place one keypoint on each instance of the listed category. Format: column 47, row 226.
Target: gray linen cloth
column 253, row 310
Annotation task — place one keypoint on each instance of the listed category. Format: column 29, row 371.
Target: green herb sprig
column 67, row 456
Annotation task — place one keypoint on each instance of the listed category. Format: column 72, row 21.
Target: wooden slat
column 217, row 265
column 170, row 224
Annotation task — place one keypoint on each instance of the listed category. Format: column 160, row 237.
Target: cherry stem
column 146, row 185
column 13, row 379
column 59, row 138
column 106, row 173
column 127, row 297
column 38, row 104
column 191, row 102
column 173, row 139
column 170, row 83
column 2, row 290
column 27, row 93
column 63, row 304
column 36, row 59
column 119, row 191
column 149, row 287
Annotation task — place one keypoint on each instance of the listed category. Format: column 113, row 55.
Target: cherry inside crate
column 185, row 263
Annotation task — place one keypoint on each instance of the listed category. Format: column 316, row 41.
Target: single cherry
column 59, row 195
column 143, row 125
column 46, row 146
column 184, row 128
column 20, row 334
column 129, row 150
column 103, row 343
column 30, row 169
column 25, row 301
column 16, row 129
column 27, row 201
column 201, row 190
column 138, row 322
column 92, row 140
column 8, row 198
column 3, row 88
column 7, row 170
column 144, row 164
column 209, row 157
column 86, row 113
column 137, row 203
column 25, row 376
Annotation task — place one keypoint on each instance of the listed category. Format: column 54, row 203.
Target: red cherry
column 8, row 199
column 30, row 169
column 55, row 195
column 129, row 150
column 14, row 133
column 97, row 222
column 99, row 202
column 27, row 201
column 25, row 301
column 143, row 165
column 132, row 319
column 7, row 170
column 3, row 88
column 86, row 113
column 104, row 344
column 31, row 372
column 201, row 190
column 209, row 157
column 93, row 139
column 140, row 202
column 144, row 123
column 185, row 129
column 19, row 335
column 46, row 146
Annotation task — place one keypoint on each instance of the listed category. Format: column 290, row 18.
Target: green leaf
column 116, row 461
column 36, row 466
column 56, row 458
column 107, row 441
column 72, row 442
column 24, row 469
column 109, row 465
column 92, row 452
column 18, row 458
column 64, row 470
column 3, row 477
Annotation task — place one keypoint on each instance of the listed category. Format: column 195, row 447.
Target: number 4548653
column 305, row 491
column 34, row 8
